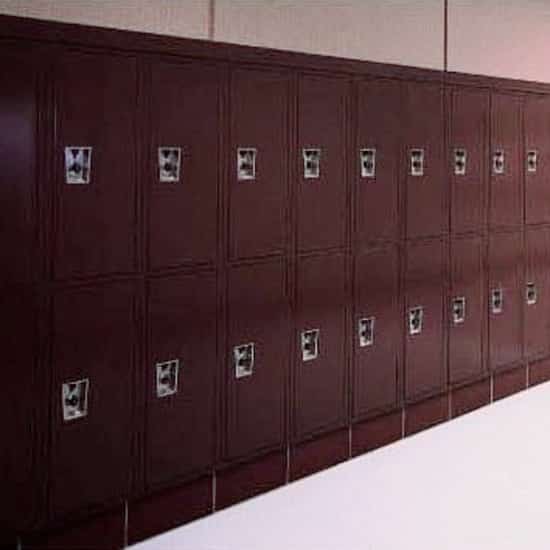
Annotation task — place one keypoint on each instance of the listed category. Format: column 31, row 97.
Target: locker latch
column 459, row 310
column 498, row 162
column 74, row 397
column 246, row 163
column 312, row 163
column 416, row 318
column 417, row 162
column 78, row 165
column 532, row 160
column 243, row 360
column 368, row 163
column 310, row 344
column 167, row 377
column 169, row 159
column 497, row 300
column 531, row 294
column 366, row 332
column 460, row 162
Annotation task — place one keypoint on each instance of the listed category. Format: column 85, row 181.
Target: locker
column 468, row 125
column 466, row 307
column 184, row 118
column 320, row 387
column 180, row 437
column 424, row 332
column 379, row 127
column 505, row 193
column 95, row 210
column 256, row 370
column 505, row 298
column 376, row 359
column 18, row 148
column 426, row 211
column 259, row 188
column 94, row 335
column 537, row 143
column 321, row 193
column 537, row 293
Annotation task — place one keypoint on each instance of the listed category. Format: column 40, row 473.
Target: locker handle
column 243, row 360
column 78, row 164
column 531, row 294
column 312, row 163
column 417, row 162
column 497, row 301
column 498, row 162
column 167, row 377
column 74, row 399
column 169, row 164
column 367, row 159
column 459, row 310
column 532, row 161
column 416, row 320
column 310, row 344
column 460, row 161
column 366, row 331
column 246, row 163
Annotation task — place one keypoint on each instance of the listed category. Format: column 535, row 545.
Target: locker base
column 471, row 397
column 539, row 372
column 509, row 382
column 375, row 433
column 426, row 414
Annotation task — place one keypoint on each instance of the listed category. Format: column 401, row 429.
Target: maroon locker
column 376, row 331
column 184, row 118
column 505, row 190
column 467, row 160
column 379, row 128
column 505, row 298
column 18, row 152
column 426, row 211
column 256, row 385
column 21, row 414
column 320, row 379
column 94, row 339
column 466, row 307
column 425, row 285
column 258, row 190
column 537, row 293
column 95, row 210
column 321, row 181
column 537, row 170
column 180, row 436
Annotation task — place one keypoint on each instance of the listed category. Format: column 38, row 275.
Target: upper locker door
column 18, row 152
column 94, row 337
column 376, row 335
column 376, row 161
column 320, row 377
column 537, row 293
column 505, row 192
column 426, row 210
column 95, row 214
column 466, row 309
column 256, row 374
column 425, row 371
column 258, row 162
column 536, row 159
column 469, row 112
column 180, row 376
column 505, row 298
column 321, row 175
column 184, row 118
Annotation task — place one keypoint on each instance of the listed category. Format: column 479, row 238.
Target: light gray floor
column 480, row 482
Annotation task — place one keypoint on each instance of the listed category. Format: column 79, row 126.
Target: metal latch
column 417, row 162
column 416, row 318
column 167, row 377
column 310, row 344
column 243, row 360
column 460, row 162
column 74, row 397
column 459, row 310
column 498, row 162
column 246, row 163
column 497, row 300
column 169, row 159
column 312, row 163
column 368, row 163
column 78, row 165
column 532, row 161
column 531, row 294
column 366, row 332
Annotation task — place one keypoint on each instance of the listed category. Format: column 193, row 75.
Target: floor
column 481, row 482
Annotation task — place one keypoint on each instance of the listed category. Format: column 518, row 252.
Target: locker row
column 358, row 342
column 119, row 163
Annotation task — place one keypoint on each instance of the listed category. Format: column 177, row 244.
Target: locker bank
column 227, row 267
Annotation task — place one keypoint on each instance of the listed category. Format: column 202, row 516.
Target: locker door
column 184, row 118
column 536, row 160
column 18, row 120
column 466, row 307
column 93, row 374
column 257, row 358
column 376, row 332
column 424, row 348
column 506, row 196
column 379, row 127
column 537, row 293
column 425, row 181
column 321, row 184
column 469, row 111
column 505, row 298
column 258, row 162
column 320, row 398
column 95, row 227
column 180, row 376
